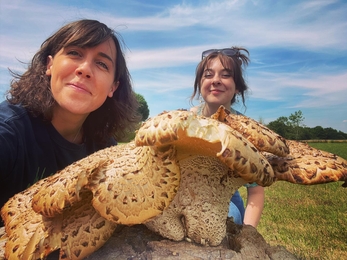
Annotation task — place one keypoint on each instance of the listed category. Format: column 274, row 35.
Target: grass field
column 310, row 221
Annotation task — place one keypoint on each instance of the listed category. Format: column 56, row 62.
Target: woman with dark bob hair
column 218, row 81
column 232, row 59
column 74, row 99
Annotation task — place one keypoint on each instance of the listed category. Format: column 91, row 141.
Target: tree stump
column 139, row 243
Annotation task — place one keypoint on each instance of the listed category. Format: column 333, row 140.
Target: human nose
column 216, row 79
column 84, row 69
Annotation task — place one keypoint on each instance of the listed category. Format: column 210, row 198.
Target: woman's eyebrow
column 102, row 54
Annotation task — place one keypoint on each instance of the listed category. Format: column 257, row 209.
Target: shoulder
column 235, row 112
column 16, row 125
column 9, row 112
column 197, row 109
column 13, row 118
column 194, row 109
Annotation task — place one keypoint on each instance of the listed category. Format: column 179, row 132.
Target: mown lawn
column 310, row 221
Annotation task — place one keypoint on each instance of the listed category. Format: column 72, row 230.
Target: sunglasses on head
column 227, row 51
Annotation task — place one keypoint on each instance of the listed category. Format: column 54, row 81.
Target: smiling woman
column 74, row 99
column 219, row 80
column 82, row 79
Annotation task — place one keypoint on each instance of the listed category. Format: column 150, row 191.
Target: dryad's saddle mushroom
column 177, row 177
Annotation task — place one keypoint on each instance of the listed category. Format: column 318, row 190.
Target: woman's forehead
column 219, row 60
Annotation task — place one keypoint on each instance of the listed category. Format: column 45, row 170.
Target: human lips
column 79, row 86
column 216, row 91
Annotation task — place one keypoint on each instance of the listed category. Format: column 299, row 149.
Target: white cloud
column 319, row 91
column 162, row 57
column 180, row 30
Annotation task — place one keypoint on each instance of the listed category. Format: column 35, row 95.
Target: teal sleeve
column 250, row 185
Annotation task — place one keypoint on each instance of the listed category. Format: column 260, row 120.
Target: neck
column 73, row 135
column 209, row 109
column 78, row 137
column 69, row 128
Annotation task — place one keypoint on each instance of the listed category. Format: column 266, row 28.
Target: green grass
column 337, row 148
column 310, row 221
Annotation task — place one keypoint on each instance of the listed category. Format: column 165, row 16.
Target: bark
column 139, row 243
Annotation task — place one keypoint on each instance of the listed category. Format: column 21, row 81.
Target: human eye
column 73, row 52
column 207, row 74
column 226, row 74
column 102, row 64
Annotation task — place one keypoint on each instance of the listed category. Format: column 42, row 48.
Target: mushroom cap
column 307, row 165
column 197, row 135
column 83, row 230
column 130, row 184
column 30, row 235
column 262, row 137
column 78, row 231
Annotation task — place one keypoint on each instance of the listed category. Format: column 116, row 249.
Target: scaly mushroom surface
column 200, row 208
column 177, row 177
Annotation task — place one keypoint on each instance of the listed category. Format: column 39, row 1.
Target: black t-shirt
column 31, row 149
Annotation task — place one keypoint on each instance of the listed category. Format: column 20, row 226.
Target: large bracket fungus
column 177, row 177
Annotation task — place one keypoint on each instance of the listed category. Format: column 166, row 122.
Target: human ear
column 113, row 89
column 49, row 65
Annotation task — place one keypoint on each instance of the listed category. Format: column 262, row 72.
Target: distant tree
column 318, row 133
column 330, row 133
column 261, row 120
column 292, row 128
column 143, row 109
column 280, row 126
column 295, row 121
column 144, row 113
column 341, row 135
column 305, row 133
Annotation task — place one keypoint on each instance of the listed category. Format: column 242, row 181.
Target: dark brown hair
column 233, row 63
column 32, row 89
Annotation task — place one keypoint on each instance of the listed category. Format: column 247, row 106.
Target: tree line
column 292, row 128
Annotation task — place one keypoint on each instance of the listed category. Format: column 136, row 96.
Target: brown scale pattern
column 116, row 176
column 200, row 208
column 193, row 135
column 307, row 165
column 77, row 209
column 30, row 235
column 261, row 136
column 83, row 229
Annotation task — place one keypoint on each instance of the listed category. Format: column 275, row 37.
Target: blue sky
column 298, row 49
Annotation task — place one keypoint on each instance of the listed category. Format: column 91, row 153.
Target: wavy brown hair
column 115, row 117
column 235, row 64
